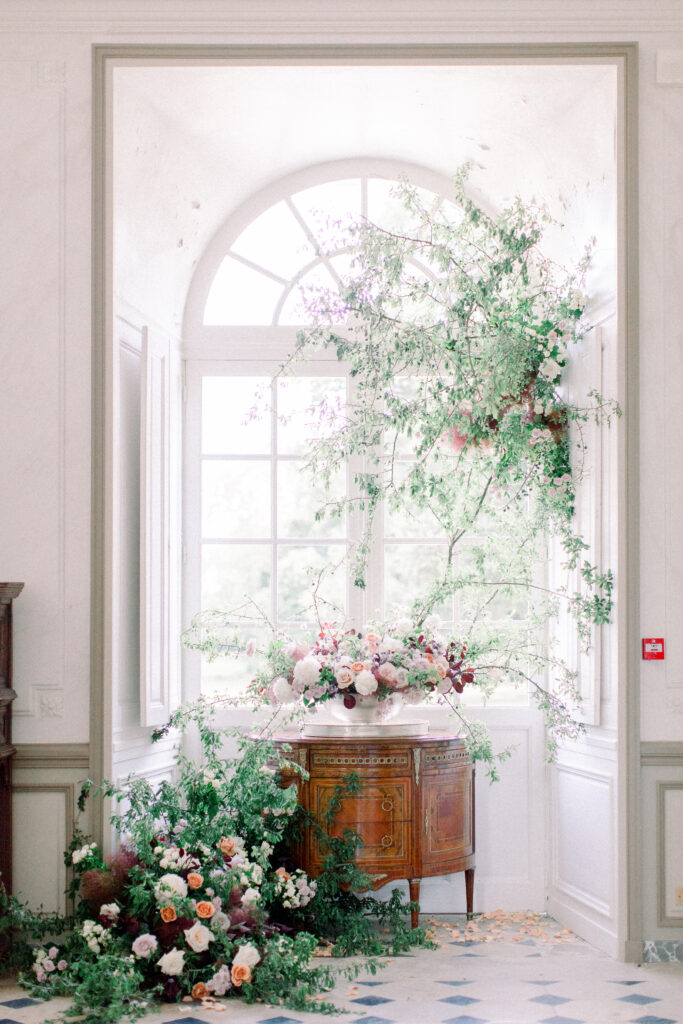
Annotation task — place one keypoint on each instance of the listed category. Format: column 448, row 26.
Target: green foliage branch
column 455, row 329
column 181, row 827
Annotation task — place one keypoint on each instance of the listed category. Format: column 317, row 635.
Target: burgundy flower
column 169, row 932
column 170, row 992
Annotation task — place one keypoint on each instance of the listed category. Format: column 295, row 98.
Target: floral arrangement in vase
column 381, row 663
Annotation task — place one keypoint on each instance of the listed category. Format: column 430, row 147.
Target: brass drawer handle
column 387, row 804
column 387, row 841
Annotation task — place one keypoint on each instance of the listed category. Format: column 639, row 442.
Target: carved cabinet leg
column 469, row 892
column 414, row 886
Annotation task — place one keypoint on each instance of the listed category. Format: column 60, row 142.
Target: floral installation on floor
column 201, row 900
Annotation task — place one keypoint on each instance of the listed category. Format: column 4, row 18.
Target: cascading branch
column 455, row 332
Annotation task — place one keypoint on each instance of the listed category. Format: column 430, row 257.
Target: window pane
column 408, row 568
column 300, row 416
column 298, row 569
column 229, row 673
column 386, row 210
column 226, row 425
column 236, row 499
column 241, row 295
column 277, row 241
column 294, row 310
column 411, row 522
column 334, row 201
column 300, row 496
column 233, row 573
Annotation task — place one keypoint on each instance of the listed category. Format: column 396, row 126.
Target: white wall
column 45, row 90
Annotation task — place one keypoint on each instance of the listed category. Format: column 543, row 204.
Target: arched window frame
column 214, row 350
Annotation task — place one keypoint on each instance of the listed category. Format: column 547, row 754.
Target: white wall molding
column 437, row 19
column 45, row 791
column 586, row 899
column 670, row 860
column 52, row 756
column 662, row 753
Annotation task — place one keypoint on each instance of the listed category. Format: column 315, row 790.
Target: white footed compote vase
column 356, row 715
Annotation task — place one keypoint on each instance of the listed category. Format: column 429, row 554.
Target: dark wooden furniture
column 414, row 810
column 8, row 591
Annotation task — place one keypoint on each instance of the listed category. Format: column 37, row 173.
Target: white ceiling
column 191, row 144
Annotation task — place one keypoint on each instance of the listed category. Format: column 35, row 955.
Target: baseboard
column 587, row 927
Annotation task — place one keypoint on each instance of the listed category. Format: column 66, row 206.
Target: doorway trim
column 625, row 57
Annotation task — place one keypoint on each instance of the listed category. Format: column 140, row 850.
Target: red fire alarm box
column 653, row 648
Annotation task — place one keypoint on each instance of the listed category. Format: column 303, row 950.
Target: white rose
column 251, row 896
column 283, row 692
column 365, row 682
column 247, row 956
column 220, row 922
column 307, row 672
column 110, row 910
column 172, row 963
column 550, row 369
column 198, row 937
column 390, row 644
column 170, row 884
column 401, row 678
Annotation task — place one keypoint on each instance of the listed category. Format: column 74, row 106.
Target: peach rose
column 358, row 666
column 205, row 909
column 344, row 676
column 227, row 846
column 373, row 639
column 283, row 875
column 199, row 991
column 239, row 974
column 194, row 880
column 168, row 914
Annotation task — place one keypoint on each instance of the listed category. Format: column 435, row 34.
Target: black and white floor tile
column 507, row 981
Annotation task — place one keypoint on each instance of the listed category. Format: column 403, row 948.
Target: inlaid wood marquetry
column 346, row 761
column 414, row 810
column 447, row 755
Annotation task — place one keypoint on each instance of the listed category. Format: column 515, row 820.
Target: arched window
column 281, row 242
column 251, row 533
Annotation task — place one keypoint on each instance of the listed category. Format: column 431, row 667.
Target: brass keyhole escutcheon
column 387, row 804
column 387, row 841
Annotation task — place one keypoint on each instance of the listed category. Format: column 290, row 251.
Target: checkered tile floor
column 500, row 978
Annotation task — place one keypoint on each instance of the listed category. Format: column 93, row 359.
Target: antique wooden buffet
column 414, row 810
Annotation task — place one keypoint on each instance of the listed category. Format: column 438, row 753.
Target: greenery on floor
column 202, row 897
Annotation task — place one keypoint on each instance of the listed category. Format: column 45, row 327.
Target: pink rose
column 298, row 651
column 388, row 674
column 144, row 946
column 62, row 965
column 48, row 965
